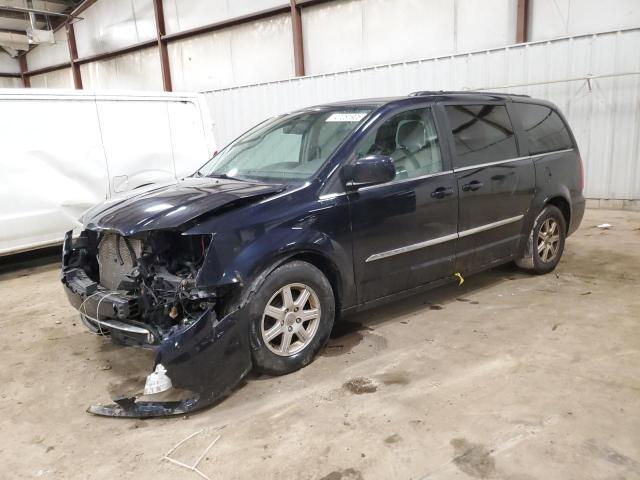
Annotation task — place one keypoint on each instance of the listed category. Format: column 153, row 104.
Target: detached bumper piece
column 207, row 358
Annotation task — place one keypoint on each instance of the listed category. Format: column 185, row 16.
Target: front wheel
column 546, row 242
column 292, row 315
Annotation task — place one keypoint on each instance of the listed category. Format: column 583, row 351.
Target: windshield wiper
column 223, row 176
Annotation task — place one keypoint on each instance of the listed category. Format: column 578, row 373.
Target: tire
column 271, row 327
column 545, row 244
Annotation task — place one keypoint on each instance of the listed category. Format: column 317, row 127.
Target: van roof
column 464, row 93
column 435, row 95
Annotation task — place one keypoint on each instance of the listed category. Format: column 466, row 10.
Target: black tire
column 295, row 272
column 534, row 260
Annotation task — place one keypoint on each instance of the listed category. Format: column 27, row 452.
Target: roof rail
column 426, row 93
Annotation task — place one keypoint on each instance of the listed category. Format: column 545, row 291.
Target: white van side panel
column 188, row 137
column 207, row 123
column 53, row 168
column 64, row 151
column 137, row 142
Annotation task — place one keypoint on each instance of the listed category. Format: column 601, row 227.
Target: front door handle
column 472, row 186
column 442, row 192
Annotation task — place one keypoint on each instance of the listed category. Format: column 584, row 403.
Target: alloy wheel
column 549, row 240
column 290, row 319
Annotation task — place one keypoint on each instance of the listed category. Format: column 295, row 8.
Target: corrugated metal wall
column 604, row 112
column 255, row 52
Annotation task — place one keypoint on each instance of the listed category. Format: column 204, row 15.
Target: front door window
column 410, row 138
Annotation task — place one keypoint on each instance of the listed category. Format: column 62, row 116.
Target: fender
column 260, row 236
column 223, row 267
column 540, row 199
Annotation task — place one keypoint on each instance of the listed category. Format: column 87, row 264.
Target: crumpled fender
column 209, row 358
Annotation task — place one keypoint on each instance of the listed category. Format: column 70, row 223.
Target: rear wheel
column 292, row 315
column 546, row 242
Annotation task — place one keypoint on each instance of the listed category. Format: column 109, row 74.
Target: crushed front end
column 143, row 291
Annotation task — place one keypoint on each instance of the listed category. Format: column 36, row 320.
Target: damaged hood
column 169, row 206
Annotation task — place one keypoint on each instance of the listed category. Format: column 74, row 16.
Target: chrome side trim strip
column 446, row 238
column 489, row 164
column 489, row 226
column 405, row 180
column 328, row 196
column 551, row 153
column 509, row 160
column 411, row 248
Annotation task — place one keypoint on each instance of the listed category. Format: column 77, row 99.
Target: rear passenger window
column 482, row 134
column 545, row 130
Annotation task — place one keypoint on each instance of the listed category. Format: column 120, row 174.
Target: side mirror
column 370, row 170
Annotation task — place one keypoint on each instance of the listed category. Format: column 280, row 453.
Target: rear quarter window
column 544, row 129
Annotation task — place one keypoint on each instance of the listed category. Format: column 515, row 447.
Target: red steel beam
column 162, row 45
column 115, row 53
column 82, row 7
column 51, row 68
column 522, row 21
column 226, row 23
column 73, row 55
column 298, row 48
column 26, row 81
column 166, row 38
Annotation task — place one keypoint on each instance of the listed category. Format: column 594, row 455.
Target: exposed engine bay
column 156, row 273
column 141, row 290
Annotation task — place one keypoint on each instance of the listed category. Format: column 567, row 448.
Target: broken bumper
column 208, row 358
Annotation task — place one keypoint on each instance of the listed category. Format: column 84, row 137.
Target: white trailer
column 63, row 151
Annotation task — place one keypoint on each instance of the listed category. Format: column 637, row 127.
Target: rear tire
column 292, row 315
column 545, row 244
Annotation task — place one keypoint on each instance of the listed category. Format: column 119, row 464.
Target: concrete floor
column 510, row 376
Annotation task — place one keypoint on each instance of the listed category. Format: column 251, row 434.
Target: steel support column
column 162, row 45
column 73, row 54
column 298, row 50
column 26, row 81
column 522, row 22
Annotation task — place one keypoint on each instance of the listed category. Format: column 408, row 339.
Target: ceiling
column 15, row 22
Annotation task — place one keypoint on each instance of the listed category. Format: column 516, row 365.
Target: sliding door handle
column 472, row 186
column 442, row 192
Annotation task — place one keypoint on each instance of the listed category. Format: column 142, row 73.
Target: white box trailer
column 63, row 151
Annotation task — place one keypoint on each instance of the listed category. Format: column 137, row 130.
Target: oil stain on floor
column 395, row 377
column 360, row 385
column 474, row 459
column 346, row 474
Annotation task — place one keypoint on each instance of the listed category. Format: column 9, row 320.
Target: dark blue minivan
column 310, row 215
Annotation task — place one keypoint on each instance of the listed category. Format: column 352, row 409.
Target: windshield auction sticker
column 346, row 117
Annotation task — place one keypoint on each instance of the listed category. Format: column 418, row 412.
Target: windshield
column 289, row 148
